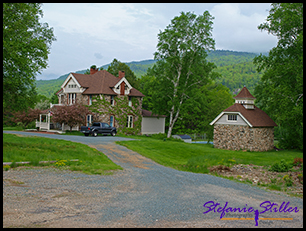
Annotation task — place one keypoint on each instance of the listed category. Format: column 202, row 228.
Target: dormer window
column 232, row 117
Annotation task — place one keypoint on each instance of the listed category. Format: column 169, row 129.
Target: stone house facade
column 243, row 126
column 111, row 99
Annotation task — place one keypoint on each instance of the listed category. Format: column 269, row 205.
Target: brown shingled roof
column 101, row 82
column 244, row 93
column 147, row 113
column 256, row 116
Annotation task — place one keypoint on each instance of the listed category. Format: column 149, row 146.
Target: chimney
column 121, row 74
column 93, row 70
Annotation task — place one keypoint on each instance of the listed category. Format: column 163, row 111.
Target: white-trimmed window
column 130, row 101
column 71, row 98
column 112, row 100
column 90, row 100
column 72, row 86
column 232, row 117
column 111, row 121
column 129, row 122
column 89, row 120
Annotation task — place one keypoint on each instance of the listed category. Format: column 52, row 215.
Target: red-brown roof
column 244, row 93
column 256, row 116
column 147, row 113
column 101, row 82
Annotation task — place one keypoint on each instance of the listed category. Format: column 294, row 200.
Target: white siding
column 223, row 120
column 72, row 90
column 152, row 125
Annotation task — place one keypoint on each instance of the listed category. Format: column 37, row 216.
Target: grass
column 199, row 157
column 13, row 128
column 35, row 149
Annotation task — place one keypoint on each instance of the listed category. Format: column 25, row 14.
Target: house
column 243, row 126
column 112, row 99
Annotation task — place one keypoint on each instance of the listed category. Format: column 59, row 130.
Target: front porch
column 45, row 124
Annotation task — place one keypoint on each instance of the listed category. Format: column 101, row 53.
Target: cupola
column 245, row 98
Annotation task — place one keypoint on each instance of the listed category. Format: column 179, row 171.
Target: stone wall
column 238, row 137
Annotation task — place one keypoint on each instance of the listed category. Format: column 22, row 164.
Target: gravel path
column 144, row 194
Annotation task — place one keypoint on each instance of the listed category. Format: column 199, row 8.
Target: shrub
column 288, row 180
column 281, row 166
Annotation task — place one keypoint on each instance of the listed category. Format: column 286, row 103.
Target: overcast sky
column 96, row 33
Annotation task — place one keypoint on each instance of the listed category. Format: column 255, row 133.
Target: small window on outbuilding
column 232, row 117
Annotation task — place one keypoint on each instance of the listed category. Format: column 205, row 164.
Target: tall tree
column 182, row 64
column 26, row 45
column 198, row 111
column 280, row 91
column 117, row 66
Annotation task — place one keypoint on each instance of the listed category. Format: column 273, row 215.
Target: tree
column 26, row 45
column 280, row 90
column 182, row 64
column 26, row 116
column 117, row 66
column 207, row 103
column 72, row 115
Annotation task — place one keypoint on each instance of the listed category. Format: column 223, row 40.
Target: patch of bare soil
column 288, row 182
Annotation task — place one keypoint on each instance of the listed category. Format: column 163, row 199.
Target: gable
column 118, row 87
column 222, row 118
column 71, row 84
column 254, row 117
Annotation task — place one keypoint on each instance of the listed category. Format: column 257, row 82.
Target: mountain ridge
column 225, row 61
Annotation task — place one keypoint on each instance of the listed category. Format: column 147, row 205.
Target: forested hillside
column 237, row 70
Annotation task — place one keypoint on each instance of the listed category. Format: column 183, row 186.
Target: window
column 232, row 117
column 72, row 86
column 111, row 121
column 129, row 122
column 112, row 101
column 71, row 98
column 130, row 101
column 90, row 100
column 89, row 120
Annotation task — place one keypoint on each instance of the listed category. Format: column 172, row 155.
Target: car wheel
column 86, row 134
column 94, row 134
column 113, row 133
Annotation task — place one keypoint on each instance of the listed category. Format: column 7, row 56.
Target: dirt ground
column 258, row 175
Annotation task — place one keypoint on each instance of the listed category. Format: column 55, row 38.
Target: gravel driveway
column 144, row 194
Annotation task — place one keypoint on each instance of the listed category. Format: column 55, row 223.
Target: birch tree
column 182, row 65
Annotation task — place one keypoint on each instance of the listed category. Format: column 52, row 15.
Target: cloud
column 236, row 31
column 128, row 31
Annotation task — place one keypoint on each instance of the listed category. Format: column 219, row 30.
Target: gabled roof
column 100, row 82
column 254, row 118
column 244, row 93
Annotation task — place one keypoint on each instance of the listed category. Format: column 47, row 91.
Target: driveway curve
column 144, row 194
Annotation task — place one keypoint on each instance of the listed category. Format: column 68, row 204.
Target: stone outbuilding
column 243, row 126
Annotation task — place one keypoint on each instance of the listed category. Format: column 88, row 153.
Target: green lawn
column 198, row 157
column 35, row 149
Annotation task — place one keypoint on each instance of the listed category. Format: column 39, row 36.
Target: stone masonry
column 239, row 137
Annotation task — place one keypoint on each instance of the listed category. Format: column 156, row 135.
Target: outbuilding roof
column 244, row 93
column 146, row 113
column 254, row 118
